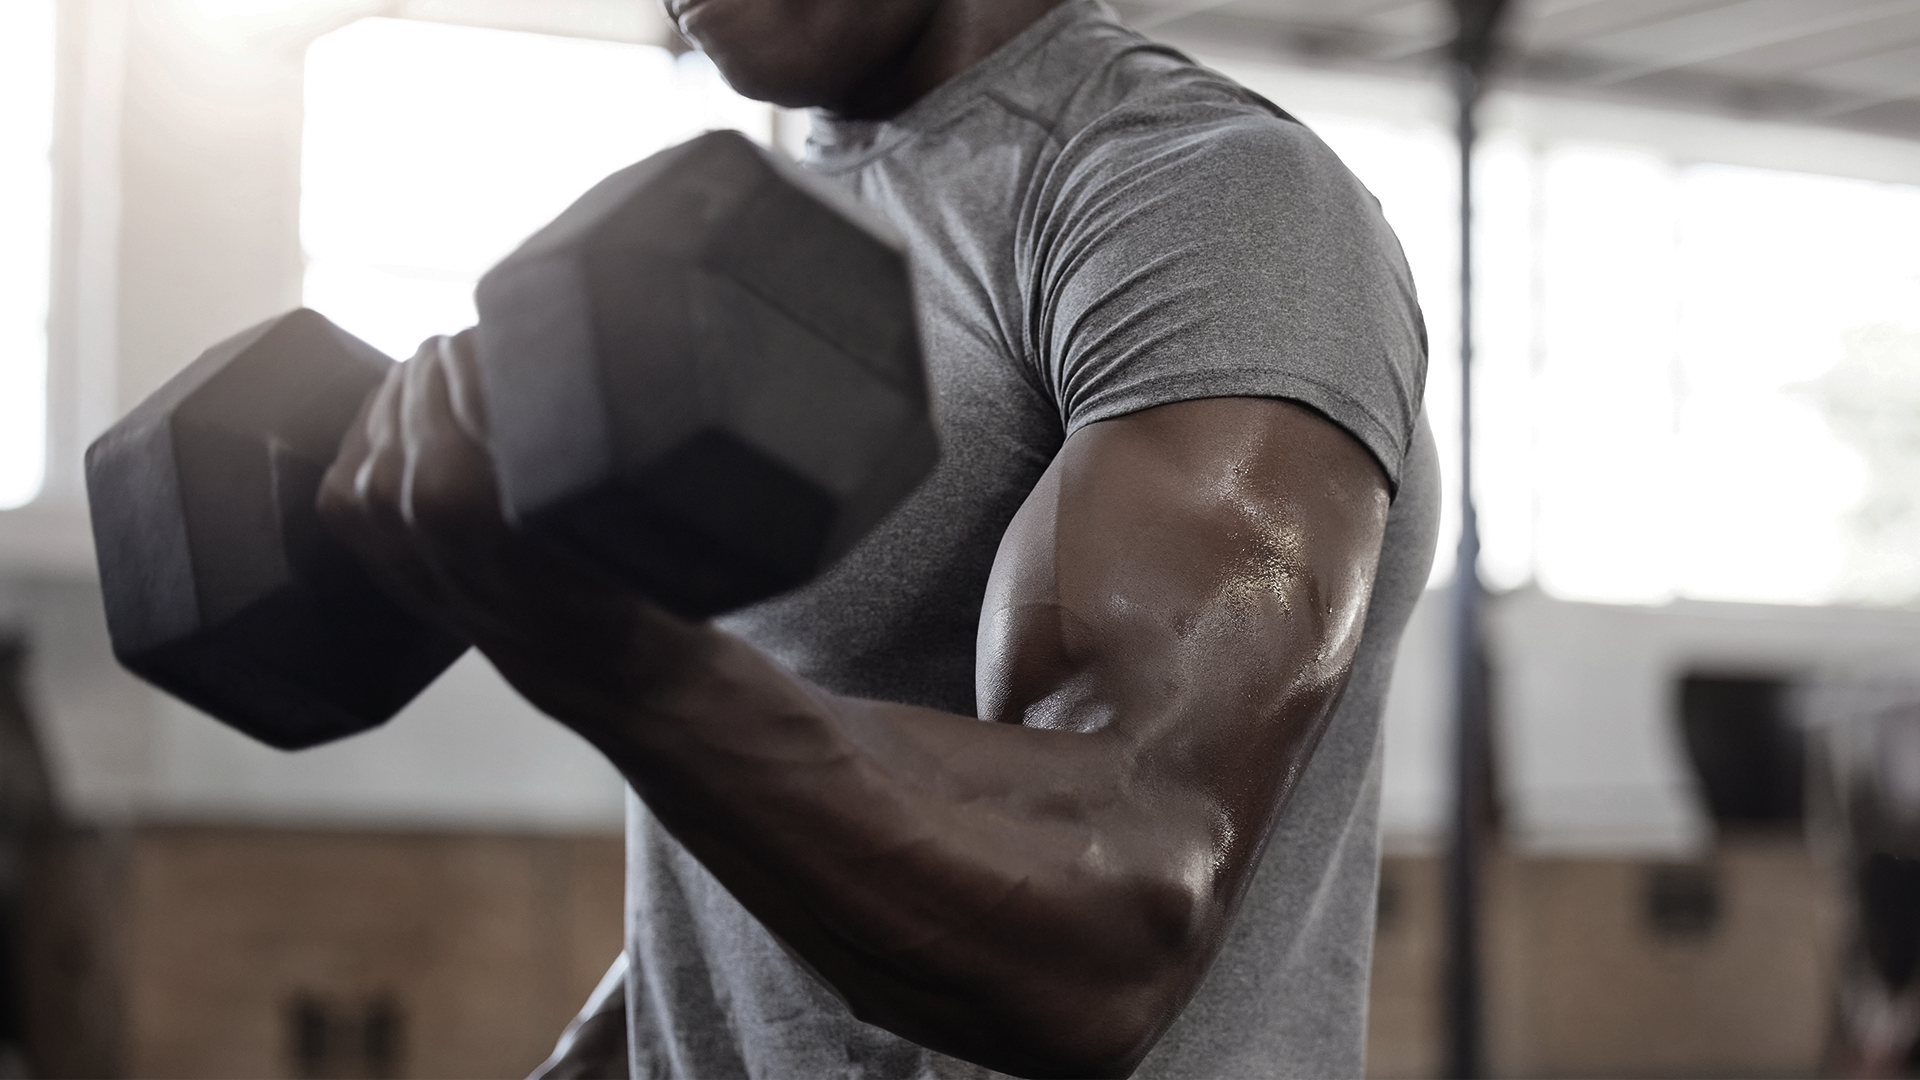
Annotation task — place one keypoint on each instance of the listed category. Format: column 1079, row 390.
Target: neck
column 957, row 35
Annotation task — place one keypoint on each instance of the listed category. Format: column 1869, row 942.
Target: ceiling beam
column 1219, row 29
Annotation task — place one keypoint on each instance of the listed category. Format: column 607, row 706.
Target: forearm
column 1170, row 619
column 992, row 890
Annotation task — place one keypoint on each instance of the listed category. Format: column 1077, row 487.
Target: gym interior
column 1696, row 445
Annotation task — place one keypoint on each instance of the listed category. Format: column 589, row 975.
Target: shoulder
column 1203, row 139
column 1100, row 89
column 1142, row 117
column 1191, row 239
column 1202, row 157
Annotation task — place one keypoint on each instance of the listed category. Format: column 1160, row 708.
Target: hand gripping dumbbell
column 704, row 383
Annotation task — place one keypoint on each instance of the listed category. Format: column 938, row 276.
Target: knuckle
column 336, row 502
column 437, row 502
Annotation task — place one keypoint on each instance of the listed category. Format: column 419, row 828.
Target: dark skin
column 862, row 61
column 1171, row 618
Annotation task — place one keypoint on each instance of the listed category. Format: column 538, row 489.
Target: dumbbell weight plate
column 704, row 381
column 704, row 377
column 221, row 585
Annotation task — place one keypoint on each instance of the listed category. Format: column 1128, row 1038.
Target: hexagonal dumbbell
column 221, row 585
column 704, row 382
column 691, row 390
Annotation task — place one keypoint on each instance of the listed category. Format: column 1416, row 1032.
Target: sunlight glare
column 218, row 10
column 26, row 217
column 432, row 150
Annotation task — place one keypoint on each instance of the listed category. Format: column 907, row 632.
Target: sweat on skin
column 1185, row 505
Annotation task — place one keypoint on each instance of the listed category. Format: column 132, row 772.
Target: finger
column 492, row 581
column 338, row 499
column 449, row 477
column 377, row 480
column 367, row 514
column 465, row 386
column 416, row 435
column 343, row 490
column 450, row 500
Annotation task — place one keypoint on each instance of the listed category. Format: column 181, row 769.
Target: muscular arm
column 1170, row 620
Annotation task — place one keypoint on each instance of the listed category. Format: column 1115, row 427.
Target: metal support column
column 1470, row 59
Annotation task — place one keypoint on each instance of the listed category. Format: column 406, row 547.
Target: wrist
column 610, row 676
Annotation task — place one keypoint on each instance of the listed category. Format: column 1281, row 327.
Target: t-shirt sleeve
column 1224, row 255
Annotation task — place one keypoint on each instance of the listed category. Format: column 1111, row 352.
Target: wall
column 1586, row 696
column 177, row 164
column 1581, row 980
column 195, row 952
column 467, row 753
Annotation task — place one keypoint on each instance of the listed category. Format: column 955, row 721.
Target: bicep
column 1190, row 580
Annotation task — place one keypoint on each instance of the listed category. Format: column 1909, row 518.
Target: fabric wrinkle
column 1096, row 226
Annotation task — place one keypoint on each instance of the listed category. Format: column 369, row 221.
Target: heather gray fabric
column 1098, row 226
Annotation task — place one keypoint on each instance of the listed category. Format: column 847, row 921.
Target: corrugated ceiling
column 1844, row 63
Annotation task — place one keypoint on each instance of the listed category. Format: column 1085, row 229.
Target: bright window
column 26, row 214
column 1726, row 397
column 1692, row 380
column 1731, row 337
column 432, row 150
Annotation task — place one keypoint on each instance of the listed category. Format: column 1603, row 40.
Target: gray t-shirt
column 1097, row 226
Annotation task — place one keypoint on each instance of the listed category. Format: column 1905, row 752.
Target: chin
column 768, row 82
column 749, row 58
column 776, row 76
column 799, row 53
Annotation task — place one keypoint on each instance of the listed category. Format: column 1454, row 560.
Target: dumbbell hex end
column 221, row 585
column 704, row 377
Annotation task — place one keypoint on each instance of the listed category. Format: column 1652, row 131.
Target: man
column 1071, row 768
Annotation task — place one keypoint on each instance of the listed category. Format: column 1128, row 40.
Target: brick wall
column 1621, row 967
column 253, row 952
column 210, row 952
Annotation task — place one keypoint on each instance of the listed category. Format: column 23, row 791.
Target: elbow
column 1096, row 1032
column 1112, row 1044
column 1099, row 1009
column 1071, row 975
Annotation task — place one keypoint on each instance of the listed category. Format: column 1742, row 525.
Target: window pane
column 1729, row 373
column 26, row 203
column 1791, row 283
column 1605, row 403
column 431, row 150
